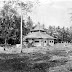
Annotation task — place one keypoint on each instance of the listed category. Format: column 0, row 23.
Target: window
column 52, row 41
column 36, row 41
column 45, row 41
column 62, row 42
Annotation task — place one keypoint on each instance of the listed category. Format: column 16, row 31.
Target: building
column 39, row 37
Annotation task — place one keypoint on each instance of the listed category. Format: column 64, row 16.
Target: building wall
column 45, row 42
column 37, row 42
column 42, row 42
column 51, row 42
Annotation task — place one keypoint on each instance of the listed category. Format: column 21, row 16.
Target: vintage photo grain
column 35, row 35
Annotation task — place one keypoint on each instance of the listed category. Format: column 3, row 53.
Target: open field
column 53, row 59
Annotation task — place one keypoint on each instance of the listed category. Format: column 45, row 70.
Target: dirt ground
column 51, row 59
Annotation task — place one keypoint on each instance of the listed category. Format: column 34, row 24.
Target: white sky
column 52, row 12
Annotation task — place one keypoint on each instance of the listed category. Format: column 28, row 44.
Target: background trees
column 7, row 22
column 10, row 22
column 61, row 34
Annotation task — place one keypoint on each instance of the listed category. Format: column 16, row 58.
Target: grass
column 28, row 64
column 55, row 60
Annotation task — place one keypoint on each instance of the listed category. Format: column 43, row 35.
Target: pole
column 21, row 29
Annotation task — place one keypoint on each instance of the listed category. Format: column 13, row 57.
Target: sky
column 51, row 12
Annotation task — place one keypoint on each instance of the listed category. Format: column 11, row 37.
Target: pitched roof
column 38, row 35
column 38, row 27
column 38, row 32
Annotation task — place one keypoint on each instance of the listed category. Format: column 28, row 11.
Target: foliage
column 29, row 24
column 62, row 34
column 6, row 22
column 10, row 23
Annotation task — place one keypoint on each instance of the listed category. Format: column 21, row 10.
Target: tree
column 29, row 24
column 50, row 30
column 10, row 20
column 6, row 21
column 70, row 33
column 61, row 34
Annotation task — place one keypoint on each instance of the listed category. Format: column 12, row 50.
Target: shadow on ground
column 35, row 62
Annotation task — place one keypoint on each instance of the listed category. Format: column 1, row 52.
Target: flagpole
column 21, row 29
